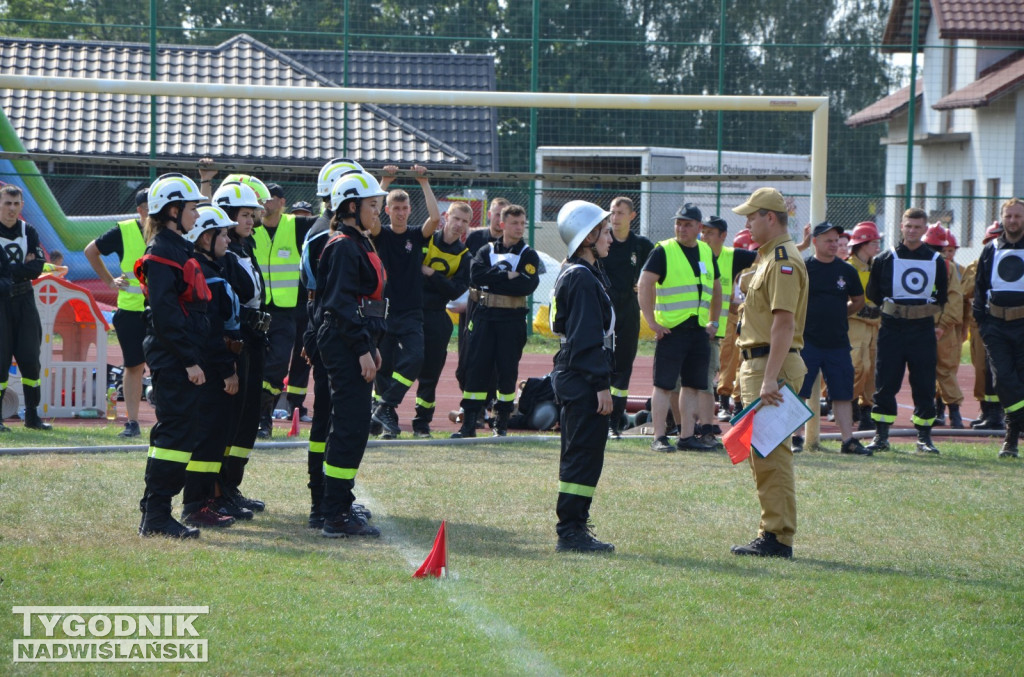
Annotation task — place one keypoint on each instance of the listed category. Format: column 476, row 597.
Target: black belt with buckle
column 760, row 351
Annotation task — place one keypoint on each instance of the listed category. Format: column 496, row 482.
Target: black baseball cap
column 824, row 227
column 142, row 196
column 690, row 212
column 275, row 190
column 302, row 205
column 716, row 222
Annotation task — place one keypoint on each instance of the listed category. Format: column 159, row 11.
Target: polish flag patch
column 786, row 270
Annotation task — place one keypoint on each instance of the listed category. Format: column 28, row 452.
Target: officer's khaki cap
column 762, row 198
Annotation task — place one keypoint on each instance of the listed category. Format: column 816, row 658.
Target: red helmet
column 936, row 236
column 992, row 232
column 743, row 240
column 865, row 231
column 951, row 240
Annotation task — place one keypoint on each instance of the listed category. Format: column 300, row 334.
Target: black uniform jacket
column 983, row 280
column 176, row 332
column 583, row 313
column 345, row 275
column 218, row 360
column 880, row 280
column 493, row 278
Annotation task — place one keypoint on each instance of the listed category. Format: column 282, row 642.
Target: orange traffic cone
column 436, row 563
column 295, row 424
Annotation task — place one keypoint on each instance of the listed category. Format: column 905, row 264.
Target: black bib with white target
column 912, row 279
column 1008, row 270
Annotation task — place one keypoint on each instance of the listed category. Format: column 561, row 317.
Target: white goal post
column 817, row 106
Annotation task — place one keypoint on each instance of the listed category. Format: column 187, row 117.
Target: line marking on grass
column 518, row 650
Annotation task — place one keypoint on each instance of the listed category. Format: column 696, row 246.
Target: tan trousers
column 948, row 350
column 773, row 474
column 729, row 357
column 863, row 351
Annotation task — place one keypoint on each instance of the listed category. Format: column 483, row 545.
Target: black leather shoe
column 168, row 527
column 798, row 444
column 582, row 540
column 693, row 444
column 662, row 444
column 347, row 525
column 853, row 446
column 765, row 545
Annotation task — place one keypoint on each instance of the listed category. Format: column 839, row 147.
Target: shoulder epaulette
column 780, row 253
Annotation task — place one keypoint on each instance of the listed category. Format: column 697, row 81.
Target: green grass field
column 903, row 565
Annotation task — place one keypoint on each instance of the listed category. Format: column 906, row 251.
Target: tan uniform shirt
column 779, row 283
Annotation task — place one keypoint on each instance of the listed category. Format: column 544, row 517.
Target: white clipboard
column 774, row 423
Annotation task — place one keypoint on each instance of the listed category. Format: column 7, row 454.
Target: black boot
column 724, row 413
column 881, row 439
column 1009, row 449
column 955, row 420
column 266, row 428
column 316, row 515
column 994, row 420
column 468, row 428
column 615, row 420
column 501, row 423
column 33, row 421
column 865, row 418
column 940, row 412
column 984, row 416
column 157, row 520
column 924, row 440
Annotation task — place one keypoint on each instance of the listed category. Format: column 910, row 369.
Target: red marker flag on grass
column 436, row 563
column 737, row 439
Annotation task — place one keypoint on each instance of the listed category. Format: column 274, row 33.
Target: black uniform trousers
column 494, row 342
column 318, row 431
column 213, row 408
column 245, row 411
column 1004, row 342
column 437, row 331
column 401, row 355
column 172, row 441
column 460, row 367
column 350, row 421
column 280, row 339
column 902, row 345
column 298, row 370
column 627, row 336
column 21, row 335
column 584, row 435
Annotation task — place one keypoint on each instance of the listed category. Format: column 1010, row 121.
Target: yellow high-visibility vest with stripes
column 677, row 298
column 134, row 246
column 280, row 259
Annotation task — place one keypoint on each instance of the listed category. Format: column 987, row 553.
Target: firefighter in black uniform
column 909, row 284
column 316, row 238
column 999, row 310
column 445, row 278
column 623, row 265
column 502, row 275
column 223, row 344
column 176, row 329
column 348, row 321
column 583, row 315
column 22, row 332
column 241, row 204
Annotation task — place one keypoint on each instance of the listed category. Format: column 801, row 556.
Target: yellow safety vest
column 725, row 275
column 443, row 262
column 677, row 298
column 134, row 248
column 280, row 259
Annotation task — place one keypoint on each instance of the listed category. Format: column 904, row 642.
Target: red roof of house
column 964, row 19
column 884, row 109
column 1003, row 78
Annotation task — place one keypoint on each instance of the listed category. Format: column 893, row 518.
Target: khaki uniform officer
column 770, row 338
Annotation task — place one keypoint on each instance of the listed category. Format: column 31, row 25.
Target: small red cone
column 295, row 424
column 436, row 563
